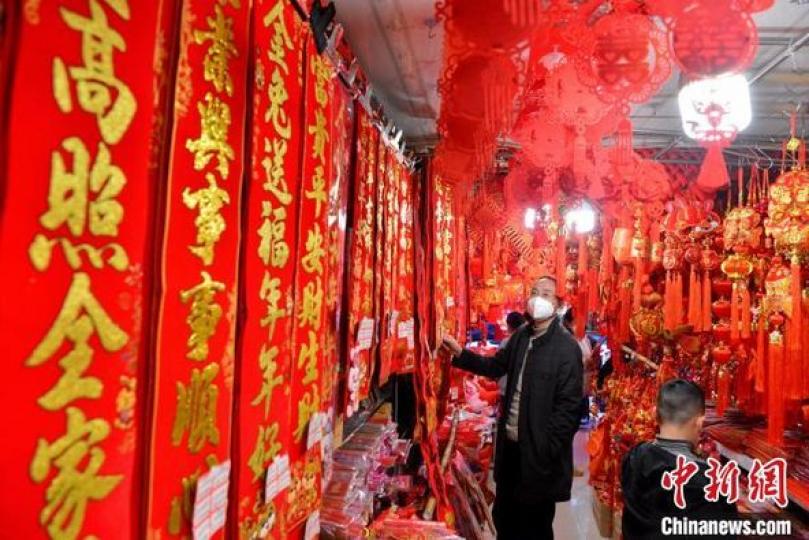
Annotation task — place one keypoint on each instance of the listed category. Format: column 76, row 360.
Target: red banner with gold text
column 360, row 294
column 77, row 208
column 195, row 357
column 303, row 496
column 271, row 250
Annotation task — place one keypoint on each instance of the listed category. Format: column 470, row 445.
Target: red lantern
column 713, row 39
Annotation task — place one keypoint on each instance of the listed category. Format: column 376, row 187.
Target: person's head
column 543, row 302
column 680, row 410
column 514, row 321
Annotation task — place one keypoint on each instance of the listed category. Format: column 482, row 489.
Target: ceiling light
column 715, row 109
column 581, row 219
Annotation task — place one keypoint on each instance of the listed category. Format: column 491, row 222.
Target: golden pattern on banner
column 83, row 199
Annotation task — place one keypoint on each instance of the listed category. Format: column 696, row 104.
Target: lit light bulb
column 715, row 109
column 530, row 218
column 581, row 219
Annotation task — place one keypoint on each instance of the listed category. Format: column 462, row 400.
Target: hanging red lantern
column 712, row 39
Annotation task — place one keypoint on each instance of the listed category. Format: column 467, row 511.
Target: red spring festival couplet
column 77, row 197
column 262, row 420
column 195, row 335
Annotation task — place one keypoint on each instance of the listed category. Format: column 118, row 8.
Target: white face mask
column 540, row 309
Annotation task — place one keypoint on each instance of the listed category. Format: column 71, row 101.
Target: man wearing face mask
column 541, row 409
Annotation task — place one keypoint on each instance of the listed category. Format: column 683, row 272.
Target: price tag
column 211, row 501
column 365, row 334
column 279, row 477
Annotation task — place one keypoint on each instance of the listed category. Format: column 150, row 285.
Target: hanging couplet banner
column 360, row 293
column 387, row 238
column 310, row 287
column 380, row 189
column 77, row 210
column 404, row 353
column 271, row 249
column 342, row 129
column 195, row 357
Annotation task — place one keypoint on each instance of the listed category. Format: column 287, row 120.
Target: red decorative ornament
column 626, row 59
column 712, row 39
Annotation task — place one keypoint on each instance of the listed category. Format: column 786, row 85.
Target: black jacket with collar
column 646, row 503
column 550, row 407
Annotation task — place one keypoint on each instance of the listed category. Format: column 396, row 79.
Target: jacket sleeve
column 566, row 412
column 492, row 367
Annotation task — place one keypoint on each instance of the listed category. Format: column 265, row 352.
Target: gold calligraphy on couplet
column 195, row 419
column 83, row 217
column 312, row 260
column 273, row 248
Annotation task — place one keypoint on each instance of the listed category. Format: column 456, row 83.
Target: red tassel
column 678, row 300
column 592, row 290
column 706, row 302
column 775, row 395
column 734, row 312
column 668, row 303
column 561, row 264
column 794, row 363
column 694, row 301
column 713, row 175
column 722, row 391
column 746, row 314
column 637, row 288
column 582, row 254
column 626, row 305
column 761, row 360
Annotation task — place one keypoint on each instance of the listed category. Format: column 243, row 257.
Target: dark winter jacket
column 646, row 503
column 550, row 408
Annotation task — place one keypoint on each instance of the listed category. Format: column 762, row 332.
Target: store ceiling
column 399, row 44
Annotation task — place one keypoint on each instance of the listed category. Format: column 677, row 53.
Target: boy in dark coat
column 680, row 412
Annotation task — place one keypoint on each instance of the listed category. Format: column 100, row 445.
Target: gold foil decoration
column 196, row 410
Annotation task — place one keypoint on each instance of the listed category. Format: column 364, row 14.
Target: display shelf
column 746, row 462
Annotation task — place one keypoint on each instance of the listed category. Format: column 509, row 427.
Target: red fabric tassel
column 722, row 391
column 761, row 361
column 694, row 301
column 582, row 315
column 626, row 305
column 668, row 303
column 746, row 314
column 677, row 300
column 582, row 264
column 775, row 390
column 713, row 175
column 637, row 286
column 707, row 323
column 592, row 290
column 794, row 364
column 561, row 264
column 735, row 308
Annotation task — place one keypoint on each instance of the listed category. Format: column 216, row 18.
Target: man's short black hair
column 515, row 320
column 678, row 401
